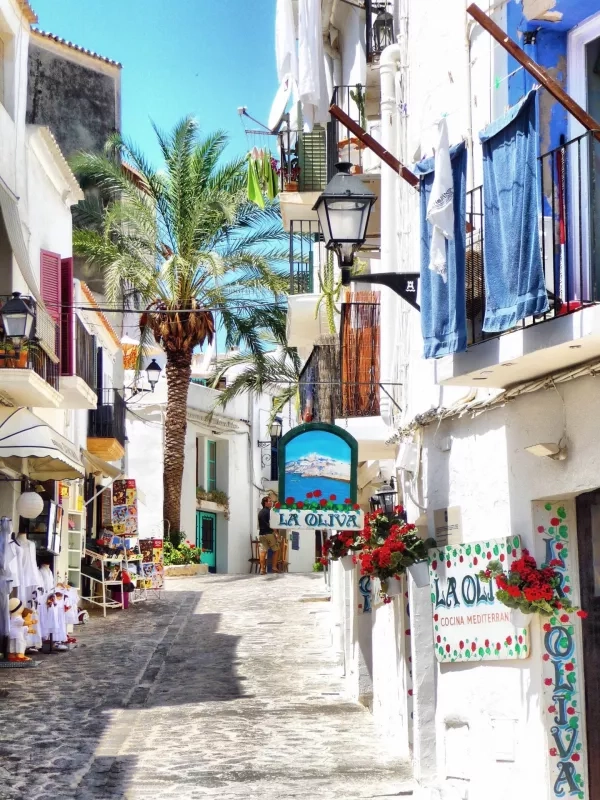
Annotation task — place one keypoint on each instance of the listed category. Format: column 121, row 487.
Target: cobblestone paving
column 224, row 689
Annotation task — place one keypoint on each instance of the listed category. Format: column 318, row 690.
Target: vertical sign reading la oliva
column 317, row 480
column 469, row 623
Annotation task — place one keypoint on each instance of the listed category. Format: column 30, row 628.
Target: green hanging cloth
column 254, row 193
column 268, row 176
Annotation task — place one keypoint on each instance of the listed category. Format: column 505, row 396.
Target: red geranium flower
column 289, row 501
column 278, row 504
column 356, row 507
column 323, row 502
column 300, row 504
column 332, row 497
column 348, row 501
column 309, row 495
column 582, row 614
column 317, row 493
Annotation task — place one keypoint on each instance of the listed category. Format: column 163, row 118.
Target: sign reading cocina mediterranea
column 295, row 519
column 469, row 624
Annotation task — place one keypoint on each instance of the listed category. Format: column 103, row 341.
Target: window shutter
column 67, row 350
column 50, row 274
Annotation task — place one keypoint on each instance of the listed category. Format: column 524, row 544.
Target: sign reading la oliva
column 317, row 480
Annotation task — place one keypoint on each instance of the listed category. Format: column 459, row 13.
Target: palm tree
column 183, row 246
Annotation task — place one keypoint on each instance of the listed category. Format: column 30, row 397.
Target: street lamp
column 383, row 31
column 266, row 446
column 153, row 371
column 386, row 496
column 275, row 429
column 343, row 209
column 17, row 319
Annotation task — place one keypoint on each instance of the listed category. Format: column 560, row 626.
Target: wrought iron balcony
column 303, row 160
column 106, row 426
column 305, row 236
column 30, row 373
column 342, row 145
column 78, row 365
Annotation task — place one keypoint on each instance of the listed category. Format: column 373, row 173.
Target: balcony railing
column 342, row 144
column 303, row 160
column 569, row 227
column 40, row 353
column 107, row 421
column 305, row 236
column 86, row 350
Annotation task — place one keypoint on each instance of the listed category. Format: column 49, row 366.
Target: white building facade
column 524, row 724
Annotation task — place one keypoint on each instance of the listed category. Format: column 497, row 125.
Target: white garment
column 47, row 578
column 17, row 634
column 440, row 209
column 312, row 81
column 285, row 41
column 17, row 559
column 31, row 573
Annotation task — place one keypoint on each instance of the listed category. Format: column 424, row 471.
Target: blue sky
column 322, row 442
column 199, row 57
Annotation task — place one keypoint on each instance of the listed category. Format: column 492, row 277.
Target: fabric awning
column 100, row 467
column 49, row 455
column 9, row 203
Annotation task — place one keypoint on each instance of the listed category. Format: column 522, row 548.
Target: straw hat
column 14, row 605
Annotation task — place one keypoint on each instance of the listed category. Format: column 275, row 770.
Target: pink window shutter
column 50, row 274
column 67, row 331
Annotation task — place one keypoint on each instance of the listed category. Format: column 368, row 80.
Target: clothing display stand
column 103, row 599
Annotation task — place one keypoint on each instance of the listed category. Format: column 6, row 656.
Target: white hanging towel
column 285, row 42
column 440, row 209
column 312, row 81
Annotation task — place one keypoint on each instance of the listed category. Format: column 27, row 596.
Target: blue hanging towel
column 512, row 261
column 443, row 304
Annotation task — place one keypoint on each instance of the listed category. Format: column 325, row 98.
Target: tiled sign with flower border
column 469, row 624
column 564, row 703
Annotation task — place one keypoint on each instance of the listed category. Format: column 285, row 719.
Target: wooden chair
column 283, row 563
column 254, row 560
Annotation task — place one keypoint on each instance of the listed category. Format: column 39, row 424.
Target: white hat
column 14, row 605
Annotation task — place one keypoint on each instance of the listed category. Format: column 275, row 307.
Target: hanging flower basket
column 420, row 573
column 392, row 587
column 519, row 619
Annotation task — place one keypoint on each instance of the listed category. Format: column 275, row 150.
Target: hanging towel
column 512, row 261
column 312, row 80
column 254, row 192
column 440, row 209
column 443, row 303
column 285, row 42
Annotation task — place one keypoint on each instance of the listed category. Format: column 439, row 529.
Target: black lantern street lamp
column 386, row 496
column 344, row 208
column 266, row 446
column 153, row 371
column 383, row 31
column 17, row 319
column 275, row 429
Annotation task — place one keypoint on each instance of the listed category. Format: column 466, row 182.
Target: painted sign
column 317, row 479
column 339, row 520
column 448, row 525
column 562, row 662
column 469, row 623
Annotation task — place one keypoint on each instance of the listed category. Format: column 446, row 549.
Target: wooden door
column 206, row 538
column 588, row 543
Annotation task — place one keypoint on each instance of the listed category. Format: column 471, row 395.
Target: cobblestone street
column 226, row 688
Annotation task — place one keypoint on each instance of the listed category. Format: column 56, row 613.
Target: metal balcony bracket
column 404, row 284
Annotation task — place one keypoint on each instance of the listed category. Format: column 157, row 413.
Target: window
column 50, row 282
column 211, row 466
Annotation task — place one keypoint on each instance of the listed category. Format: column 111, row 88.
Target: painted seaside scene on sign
column 317, row 460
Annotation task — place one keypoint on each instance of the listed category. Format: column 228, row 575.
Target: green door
column 206, row 538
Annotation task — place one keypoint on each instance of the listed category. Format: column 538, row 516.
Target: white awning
column 9, row 203
column 50, row 457
column 100, row 467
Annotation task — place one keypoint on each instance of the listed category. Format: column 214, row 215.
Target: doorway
column 588, row 543
column 206, row 538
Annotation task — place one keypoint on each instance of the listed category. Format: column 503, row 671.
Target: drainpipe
column 389, row 64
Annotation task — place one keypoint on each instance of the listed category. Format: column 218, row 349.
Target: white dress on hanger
column 47, row 578
column 31, row 574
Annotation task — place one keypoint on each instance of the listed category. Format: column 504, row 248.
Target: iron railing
column 40, row 353
column 342, row 144
column 86, row 349
column 305, row 236
column 569, row 228
column 107, row 420
column 303, row 161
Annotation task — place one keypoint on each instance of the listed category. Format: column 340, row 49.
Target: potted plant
column 182, row 559
column 213, row 500
column 528, row 589
column 393, row 548
column 291, row 176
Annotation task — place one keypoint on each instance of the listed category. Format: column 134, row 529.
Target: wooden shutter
column 99, row 372
column 67, row 335
column 50, row 275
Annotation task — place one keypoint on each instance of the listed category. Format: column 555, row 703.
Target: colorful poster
column 124, row 510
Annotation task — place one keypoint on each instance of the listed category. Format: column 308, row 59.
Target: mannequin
column 47, row 576
column 17, row 631
column 31, row 574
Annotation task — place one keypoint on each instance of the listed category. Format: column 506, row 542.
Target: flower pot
column 392, row 587
column 347, row 562
column 420, row 573
column 290, row 186
column 519, row 619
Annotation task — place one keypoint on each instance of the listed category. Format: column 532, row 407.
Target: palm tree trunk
column 179, row 370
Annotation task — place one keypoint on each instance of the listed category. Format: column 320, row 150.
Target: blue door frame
column 206, row 538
